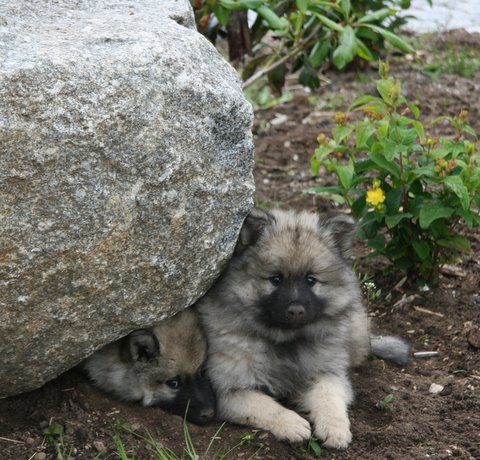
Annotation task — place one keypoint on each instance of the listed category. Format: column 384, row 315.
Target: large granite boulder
column 125, row 175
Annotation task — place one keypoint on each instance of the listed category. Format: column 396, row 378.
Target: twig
column 426, row 354
column 11, row 440
column 428, row 312
column 285, row 58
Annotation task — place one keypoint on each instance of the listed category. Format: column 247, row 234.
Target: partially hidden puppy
column 285, row 322
column 158, row 366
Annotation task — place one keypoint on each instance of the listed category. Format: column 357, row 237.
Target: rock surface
column 125, row 175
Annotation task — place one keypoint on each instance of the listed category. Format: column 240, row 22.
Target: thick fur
column 161, row 365
column 285, row 322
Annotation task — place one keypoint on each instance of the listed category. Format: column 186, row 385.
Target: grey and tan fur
column 285, row 322
column 161, row 365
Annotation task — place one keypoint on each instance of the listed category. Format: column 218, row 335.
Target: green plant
column 373, row 294
column 261, row 97
column 189, row 450
column 410, row 192
column 305, row 33
column 464, row 62
column 54, row 436
column 314, row 447
column 384, row 403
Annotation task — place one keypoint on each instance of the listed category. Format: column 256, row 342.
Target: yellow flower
column 375, row 197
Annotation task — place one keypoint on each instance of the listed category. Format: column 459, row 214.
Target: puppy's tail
column 391, row 348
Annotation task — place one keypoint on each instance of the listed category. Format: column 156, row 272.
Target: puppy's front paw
column 335, row 432
column 289, row 426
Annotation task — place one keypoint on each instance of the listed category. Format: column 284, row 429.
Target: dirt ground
column 416, row 424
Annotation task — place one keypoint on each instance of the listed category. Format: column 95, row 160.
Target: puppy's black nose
column 206, row 415
column 296, row 312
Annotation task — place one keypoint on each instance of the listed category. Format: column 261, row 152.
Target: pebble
column 279, row 119
column 435, row 388
column 136, row 426
column 473, row 337
column 40, row 456
column 30, row 441
column 447, row 390
column 100, row 447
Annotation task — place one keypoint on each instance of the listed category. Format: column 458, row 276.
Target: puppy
column 159, row 366
column 285, row 322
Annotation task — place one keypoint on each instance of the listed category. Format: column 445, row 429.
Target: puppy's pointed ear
column 252, row 229
column 142, row 345
column 341, row 230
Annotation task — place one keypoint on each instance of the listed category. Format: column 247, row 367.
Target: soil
column 416, row 424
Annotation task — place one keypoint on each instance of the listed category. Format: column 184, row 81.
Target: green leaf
column 377, row 243
column 363, row 134
column 342, row 132
column 424, row 171
column 272, row 19
column 391, row 149
column 322, row 151
column 308, row 76
column 393, row 221
column 393, row 200
column 328, row 22
column 368, row 226
column 302, row 5
column 419, row 129
column 314, row 446
column 391, row 38
column 358, row 206
column 363, row 51
column 469, row 130
column 458, row 243
column 319, row 52
column 222, row 14
column 241, row 4
column 380, row 160
column 407, row 136
column 345, row 174
column 387, row 86
column 430, row 212
column 327, row 189
column 378, row 15
column 422, row 249
column 251, row 4
column 364, row 100
column 456, row 185
column 335, row 197
column 347, row 49
column 346, row 6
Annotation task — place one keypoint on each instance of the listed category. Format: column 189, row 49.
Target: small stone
column 30, row 441
column 43, row 424
column 40, row 456
column 100, row 447
column 435, row 388
column 447, row 390
column 473, row 336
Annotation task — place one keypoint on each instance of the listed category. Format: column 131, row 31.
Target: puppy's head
column 295, row 269
column 168, row 363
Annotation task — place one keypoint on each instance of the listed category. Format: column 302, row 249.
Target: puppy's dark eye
column 174, row 383
column 276, row 280
column 311, row 281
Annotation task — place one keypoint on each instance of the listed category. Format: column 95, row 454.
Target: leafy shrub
column 303, row 34
column 410, row 192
